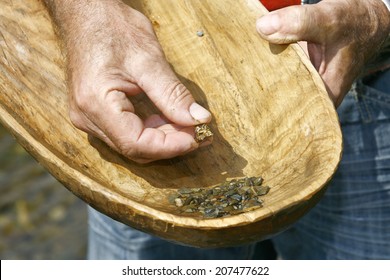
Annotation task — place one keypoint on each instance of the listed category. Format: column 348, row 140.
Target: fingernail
column 268, row 24
column 199, row 113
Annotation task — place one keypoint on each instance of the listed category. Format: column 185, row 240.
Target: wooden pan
column 271, row 117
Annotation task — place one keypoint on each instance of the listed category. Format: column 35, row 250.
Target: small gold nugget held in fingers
column 202, row 132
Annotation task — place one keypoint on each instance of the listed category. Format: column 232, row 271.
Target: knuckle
column 151, row 59
column 81, row 100
column 141, row 21
column 299, row 24
column 124, row 147
column 76, row 119
column 129, row 149
column 176, row 94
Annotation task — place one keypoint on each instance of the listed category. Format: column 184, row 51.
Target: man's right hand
column 113, row 54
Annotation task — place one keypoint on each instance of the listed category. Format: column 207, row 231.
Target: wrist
column 71, row 15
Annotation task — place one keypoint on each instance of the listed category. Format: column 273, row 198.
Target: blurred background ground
column 39, row 218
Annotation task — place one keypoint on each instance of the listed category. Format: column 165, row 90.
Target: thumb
column 292, row 24
column 173, row 99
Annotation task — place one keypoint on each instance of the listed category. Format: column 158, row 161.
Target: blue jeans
column 352, row 221
column 109, row 239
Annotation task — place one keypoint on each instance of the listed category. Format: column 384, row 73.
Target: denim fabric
column 352, row 221
column 109, row 239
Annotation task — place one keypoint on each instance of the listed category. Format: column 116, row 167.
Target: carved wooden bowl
column 271, row 117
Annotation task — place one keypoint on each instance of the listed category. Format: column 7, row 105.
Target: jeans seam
column 358, row 93
column 378, row 99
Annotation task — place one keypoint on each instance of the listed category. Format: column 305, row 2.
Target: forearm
column 77, row 11
column 89, row 26
column 76, row 18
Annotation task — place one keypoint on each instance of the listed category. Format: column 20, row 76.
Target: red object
column 277, row 4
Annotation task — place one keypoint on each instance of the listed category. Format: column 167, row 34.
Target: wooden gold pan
column 271, row 117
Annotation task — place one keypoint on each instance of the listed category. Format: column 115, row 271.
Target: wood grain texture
column 271, row 117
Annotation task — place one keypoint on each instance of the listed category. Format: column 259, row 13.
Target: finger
column 292, row 24
column 129, row 89
column 139, row 141
column 171, row 96
column 155, row 120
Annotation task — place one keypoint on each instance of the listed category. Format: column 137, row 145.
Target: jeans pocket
column 365, row 104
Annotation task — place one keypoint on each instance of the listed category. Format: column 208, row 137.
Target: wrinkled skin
column 341, row 36
column 113, row 54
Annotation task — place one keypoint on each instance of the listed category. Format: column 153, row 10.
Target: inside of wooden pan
column 292, row 146
column 271, row 114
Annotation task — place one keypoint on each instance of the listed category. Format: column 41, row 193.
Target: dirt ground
column 39, row 218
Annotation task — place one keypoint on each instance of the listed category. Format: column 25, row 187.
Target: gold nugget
column 202, row 132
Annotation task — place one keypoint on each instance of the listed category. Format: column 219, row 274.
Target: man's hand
column 113, row 54
column 342, row 35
